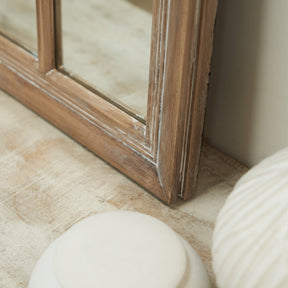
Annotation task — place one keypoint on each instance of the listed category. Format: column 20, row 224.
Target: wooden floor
column 48, row 182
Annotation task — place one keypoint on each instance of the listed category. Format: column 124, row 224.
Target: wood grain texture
column 185, row 80
column 162, row 155
column 48, row 182
column 199, row 87
column 57, row 108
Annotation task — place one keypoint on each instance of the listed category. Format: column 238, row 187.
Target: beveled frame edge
column 156, row 160
column 200, row 87
column 38, row 92
column 188, row 50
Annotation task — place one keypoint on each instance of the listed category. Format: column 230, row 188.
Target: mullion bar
column 58, row 33
column 46, row 35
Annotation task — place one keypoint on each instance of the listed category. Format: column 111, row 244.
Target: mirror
column 106, row 45
column 18, row 22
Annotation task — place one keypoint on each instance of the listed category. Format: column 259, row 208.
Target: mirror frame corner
column 163, row 155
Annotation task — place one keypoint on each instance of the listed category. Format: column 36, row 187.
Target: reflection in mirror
column 18, row 22
column 106, row 44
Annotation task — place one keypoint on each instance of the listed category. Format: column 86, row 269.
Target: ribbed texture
column 250, row 241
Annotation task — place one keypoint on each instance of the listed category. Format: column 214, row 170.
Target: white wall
column 247, row 110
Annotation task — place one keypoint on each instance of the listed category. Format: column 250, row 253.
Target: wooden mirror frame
column 161, row 155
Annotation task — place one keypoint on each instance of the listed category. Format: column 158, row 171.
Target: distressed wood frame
column 161, row 155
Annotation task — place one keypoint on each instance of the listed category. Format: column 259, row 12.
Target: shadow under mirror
column 18, row 22
column 106, row 45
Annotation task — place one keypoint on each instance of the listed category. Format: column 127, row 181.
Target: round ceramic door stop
column 119, row 249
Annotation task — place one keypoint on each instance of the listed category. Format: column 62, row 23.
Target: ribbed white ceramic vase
column 250, row 241
column 120, row 250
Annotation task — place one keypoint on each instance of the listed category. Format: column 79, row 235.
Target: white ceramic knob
column 119, row 249
column 250, row 241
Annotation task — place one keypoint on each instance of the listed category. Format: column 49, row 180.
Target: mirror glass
column 106, row 45
column 18, row 22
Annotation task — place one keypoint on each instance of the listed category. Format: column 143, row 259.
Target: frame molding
column 162, row 155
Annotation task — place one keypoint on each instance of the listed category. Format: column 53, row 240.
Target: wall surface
column 247, row 110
